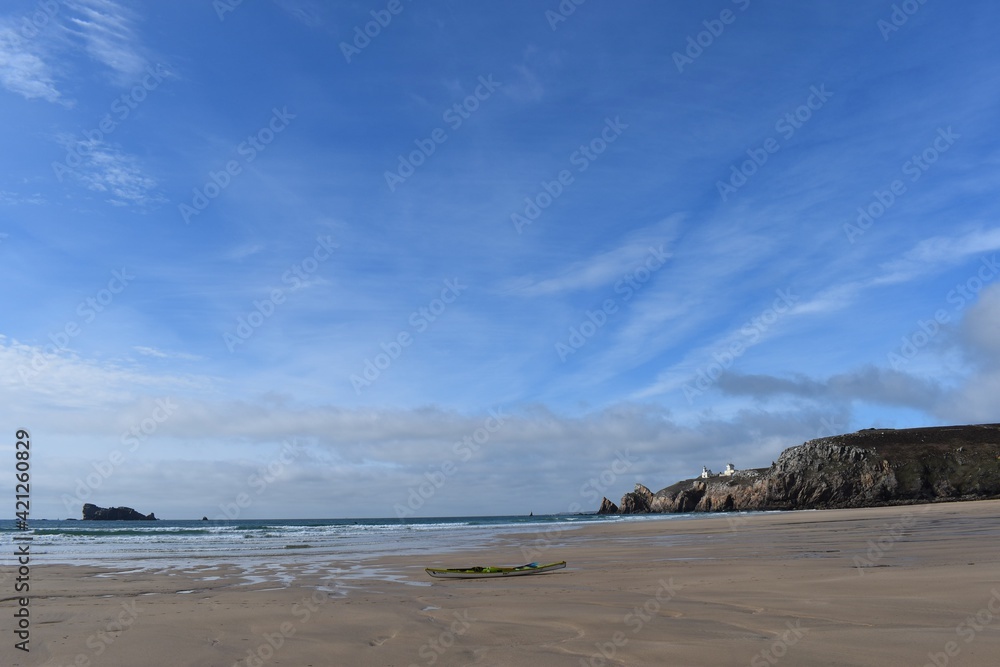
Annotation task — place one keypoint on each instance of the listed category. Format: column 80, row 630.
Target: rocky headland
column 868, row 468
column 95, row 513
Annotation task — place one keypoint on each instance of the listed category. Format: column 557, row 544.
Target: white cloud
column 527, row 87
column 938, row 252
column 22, row 69
column 31, row 65
column 37, row 376
column 977, row 402
column 160, row 354
column 107, row 32
column 244, row 251
column 307, row 12
column 107, row 169
column 981, row 328
column 13, row 198
column 364, row 459
column 604, row 269
column 358, row 462
column 830, row 300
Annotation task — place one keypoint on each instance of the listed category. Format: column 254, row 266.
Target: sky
column 299, row 259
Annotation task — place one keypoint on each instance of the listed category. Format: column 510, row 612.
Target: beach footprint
column 378, row 641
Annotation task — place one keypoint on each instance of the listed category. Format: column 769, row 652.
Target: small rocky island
column 95, row 513
column 869, row 468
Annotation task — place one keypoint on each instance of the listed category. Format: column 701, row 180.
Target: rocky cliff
column 607, row 507
column 95, row 513
column 864, row 469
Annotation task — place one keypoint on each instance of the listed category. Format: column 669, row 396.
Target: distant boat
column 489, row 572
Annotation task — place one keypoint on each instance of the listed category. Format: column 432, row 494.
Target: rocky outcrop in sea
column 95, row 513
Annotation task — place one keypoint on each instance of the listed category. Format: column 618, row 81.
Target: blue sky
column 483, row 260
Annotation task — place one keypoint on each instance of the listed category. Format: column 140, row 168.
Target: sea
column 266, row 548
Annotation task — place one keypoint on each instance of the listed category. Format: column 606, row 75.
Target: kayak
column 486, row 572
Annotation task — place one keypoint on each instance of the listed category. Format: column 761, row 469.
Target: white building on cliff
column 728, row 472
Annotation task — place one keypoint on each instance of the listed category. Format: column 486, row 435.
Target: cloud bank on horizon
column 285, row 259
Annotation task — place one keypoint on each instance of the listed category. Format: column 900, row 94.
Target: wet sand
column 916, row 585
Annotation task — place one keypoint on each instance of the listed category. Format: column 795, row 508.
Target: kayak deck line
column 480, row 572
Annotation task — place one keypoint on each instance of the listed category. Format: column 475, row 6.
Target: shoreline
column 888, row 585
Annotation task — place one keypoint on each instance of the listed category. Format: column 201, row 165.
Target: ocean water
column 184, row 544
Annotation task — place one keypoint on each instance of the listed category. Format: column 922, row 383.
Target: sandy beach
column 911, row 585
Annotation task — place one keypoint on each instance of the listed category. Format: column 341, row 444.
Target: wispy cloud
column 307, row 12
column 107, row 169
column 38, row 377
column 939, row 252
column 13, row 198
column 103, row 29
column 527, row 87
column 107, row 32
column 160, row 354
column 244, row 251
column 602, row 269
column 832, row 299
column 22, row 69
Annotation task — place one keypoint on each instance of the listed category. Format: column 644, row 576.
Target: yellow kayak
column 487, row 572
